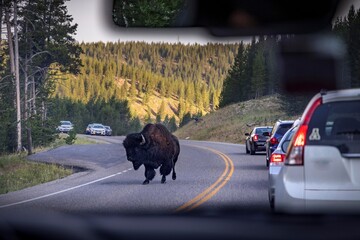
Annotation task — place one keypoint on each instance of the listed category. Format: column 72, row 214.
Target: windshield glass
column 176, row 104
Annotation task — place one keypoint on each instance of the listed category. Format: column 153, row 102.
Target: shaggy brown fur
column 154, row 147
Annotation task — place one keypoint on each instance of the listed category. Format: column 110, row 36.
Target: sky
column 95, row 24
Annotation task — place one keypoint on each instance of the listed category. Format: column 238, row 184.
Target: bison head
column 133, row 145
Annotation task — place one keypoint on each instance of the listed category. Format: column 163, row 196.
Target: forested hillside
column 157, row 79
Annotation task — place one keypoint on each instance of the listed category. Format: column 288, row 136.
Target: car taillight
column 255, row 137
column 295, row 155
column 273, row 141
column 277, row 158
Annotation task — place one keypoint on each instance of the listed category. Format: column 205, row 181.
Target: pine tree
column 233, row 83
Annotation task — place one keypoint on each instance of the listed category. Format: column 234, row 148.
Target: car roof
column 341, row 95
column 65, row 122
column 263, row 127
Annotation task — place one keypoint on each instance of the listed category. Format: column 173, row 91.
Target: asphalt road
column 209, row 176
column 220, row 193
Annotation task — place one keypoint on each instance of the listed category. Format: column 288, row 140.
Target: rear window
column 336, row 124
column 283, row 128
column 262, row 130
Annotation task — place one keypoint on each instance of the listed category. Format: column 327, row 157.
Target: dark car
column 278, row 131
column 256, row 139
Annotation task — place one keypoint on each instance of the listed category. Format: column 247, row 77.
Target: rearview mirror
column 230, row 17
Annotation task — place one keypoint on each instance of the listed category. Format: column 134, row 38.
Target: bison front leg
column 149, row 174
column 165, row 170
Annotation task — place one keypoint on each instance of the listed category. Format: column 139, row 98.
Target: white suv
column 322, row 165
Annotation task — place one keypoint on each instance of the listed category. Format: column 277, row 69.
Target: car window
column 262, row 130
column 336, row 124
column 282, row 129
column 290, row 134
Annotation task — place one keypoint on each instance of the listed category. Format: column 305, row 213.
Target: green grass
column 61, row 142
column 230, row 123
column 18, row 173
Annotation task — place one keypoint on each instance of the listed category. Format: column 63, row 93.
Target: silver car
column 97, row 129
column 108, row 131
column 277, row 161
column 65, row 126
column 322, row 166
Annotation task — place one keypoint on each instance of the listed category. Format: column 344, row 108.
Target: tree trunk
column 26, row 109
column 1, row 23
column 33, row 96
column 10, row 42
column 17, row 81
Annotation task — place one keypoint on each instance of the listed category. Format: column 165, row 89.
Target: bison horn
column 143, row 140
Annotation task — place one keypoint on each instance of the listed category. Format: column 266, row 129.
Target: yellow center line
column 214, row 188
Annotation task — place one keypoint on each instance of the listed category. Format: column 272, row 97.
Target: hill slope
column 230, row 123
column 147, row 74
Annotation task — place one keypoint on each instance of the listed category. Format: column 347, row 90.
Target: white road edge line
column 62, row 191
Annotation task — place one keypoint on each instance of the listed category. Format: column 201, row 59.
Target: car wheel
column 252, row 150
column 246, row 149
column 267, row 159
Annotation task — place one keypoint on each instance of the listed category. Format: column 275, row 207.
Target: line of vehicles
column 314, row 161
column 91, row 129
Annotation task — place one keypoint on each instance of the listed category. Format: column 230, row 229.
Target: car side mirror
column 285, row 146
column 266, row 134
column 247, row 134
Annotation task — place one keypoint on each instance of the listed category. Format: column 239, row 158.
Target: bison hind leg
column 163, row 179
column 146, row 182
column 174, row 175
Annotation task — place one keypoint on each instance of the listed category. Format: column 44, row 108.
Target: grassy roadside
column 230, row 123
column 16, row 172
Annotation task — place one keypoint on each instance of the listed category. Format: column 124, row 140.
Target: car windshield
column 178, row 103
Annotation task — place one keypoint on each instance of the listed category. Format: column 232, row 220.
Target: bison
column 154, row 147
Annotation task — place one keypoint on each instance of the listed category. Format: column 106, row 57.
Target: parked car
column 88, row 128
column 108, row 130
column 65, row 126
column 321, row 170
column 97, row 129
column 278, row 131
column 255, row 140
column 277, row 161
